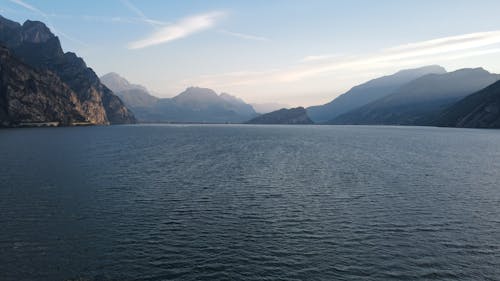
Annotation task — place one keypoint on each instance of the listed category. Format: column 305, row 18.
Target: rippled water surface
column 249, row 203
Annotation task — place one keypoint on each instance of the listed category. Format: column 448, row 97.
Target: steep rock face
column 418, row 102
column 479, row 110
column 35, row 45
column 32, row 96
column 368, row 92
column 292, row 116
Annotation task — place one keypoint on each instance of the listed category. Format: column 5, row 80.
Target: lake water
column 224, row 202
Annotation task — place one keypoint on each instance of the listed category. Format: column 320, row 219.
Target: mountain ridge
column 194, row 104
column 34, row 44
column 284, row 116
column 416, row 102
column 28, row 95
column 368, row 92
column 478, row 110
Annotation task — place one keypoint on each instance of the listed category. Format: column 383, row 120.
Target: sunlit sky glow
column 290, row 52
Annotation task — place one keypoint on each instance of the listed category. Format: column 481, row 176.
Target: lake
column 241, row 202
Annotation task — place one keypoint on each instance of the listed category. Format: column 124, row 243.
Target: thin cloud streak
column 183, row 28
column 28, row 6
column 315, row 58
column 429, row 48
column 450, row 40
column 243, row 36
column 111, row 19
column 414, row 54
column 142, row 16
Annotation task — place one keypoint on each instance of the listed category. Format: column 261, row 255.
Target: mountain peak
column 368, row 92
column 198, row 92
column 35, row 45
column 435, row 69
column 114, row 75
column 36, row 32
column 115, row 82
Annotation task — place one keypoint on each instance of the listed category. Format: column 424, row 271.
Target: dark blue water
column 249, row 203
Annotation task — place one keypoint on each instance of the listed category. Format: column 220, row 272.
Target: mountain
column 420, row 100
column 368, row 92
column 28, row 95
column 193, row 105
column 198, row 105
column 479, row 110
column 116, row 83
column 134, row 96
column 238, row 105
column 283, row 116
column 35, row 45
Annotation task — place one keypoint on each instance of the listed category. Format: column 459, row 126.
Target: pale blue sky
column 292, row 52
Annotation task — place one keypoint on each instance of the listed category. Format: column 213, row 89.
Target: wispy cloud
column 462, row 41
column 243, row 35
column 429, row 50
column 407, row 55
column 108, row 19
column 28, row 6
column 180, row 29
column 141, row 15
column 314, row 58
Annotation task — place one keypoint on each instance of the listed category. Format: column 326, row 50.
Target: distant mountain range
column 31, row 94
column 193, row 105
column 423, row 96
column 133, row 95
column 419, row 101
column 368, row 92
column 39, row 83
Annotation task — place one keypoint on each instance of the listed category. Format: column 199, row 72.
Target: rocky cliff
column 34, row 44
column 34, row 96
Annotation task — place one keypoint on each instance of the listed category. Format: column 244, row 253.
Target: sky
column 269, row 51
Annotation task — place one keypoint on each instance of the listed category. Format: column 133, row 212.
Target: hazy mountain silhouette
column 420, row 100
column 193, row 105
column 133, row 95
column 34, row 44
column 199, row 105
column 368, row 92
column 117, row 83
column 291, row 116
